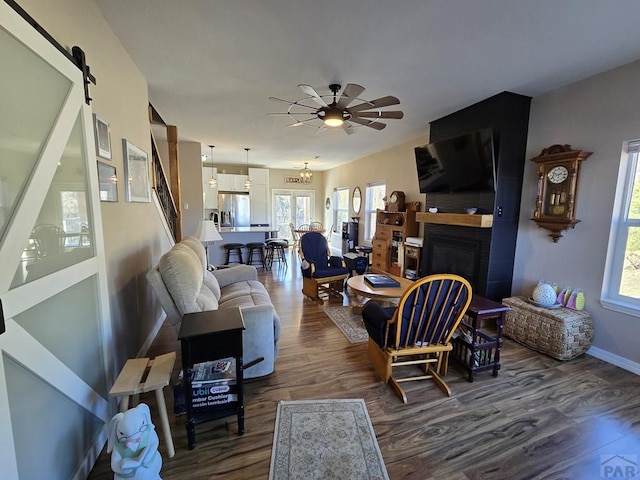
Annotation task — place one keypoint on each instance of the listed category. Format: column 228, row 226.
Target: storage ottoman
column 561, row 333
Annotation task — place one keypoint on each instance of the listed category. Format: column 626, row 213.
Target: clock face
column 558, row 174
column 393, row 198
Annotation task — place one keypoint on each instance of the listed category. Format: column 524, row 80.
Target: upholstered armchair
column 418, row 332
column 321, row 272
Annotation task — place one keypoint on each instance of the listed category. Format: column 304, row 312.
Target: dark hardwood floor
column 539, row 419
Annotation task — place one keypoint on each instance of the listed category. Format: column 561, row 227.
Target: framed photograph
column 107, row 182
column 136, row 173
column 103, row 137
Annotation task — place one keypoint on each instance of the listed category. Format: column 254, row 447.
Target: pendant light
column 212, row 181
column 305, row 174
column 247, row 184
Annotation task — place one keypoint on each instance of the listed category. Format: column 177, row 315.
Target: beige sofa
column 184, row 285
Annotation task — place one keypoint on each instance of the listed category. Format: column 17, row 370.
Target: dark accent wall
column 508, row 115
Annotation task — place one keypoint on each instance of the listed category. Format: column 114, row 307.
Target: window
column 341, row 207
column 373, row 200
column 74, row 217
column 621, row 287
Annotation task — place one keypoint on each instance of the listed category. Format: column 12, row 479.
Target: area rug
column 349, row 323
column 325, row 439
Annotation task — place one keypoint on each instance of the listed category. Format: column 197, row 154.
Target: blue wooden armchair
column 321, row 272
column 417, row 332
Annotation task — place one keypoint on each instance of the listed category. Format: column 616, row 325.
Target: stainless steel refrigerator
column 234, row 209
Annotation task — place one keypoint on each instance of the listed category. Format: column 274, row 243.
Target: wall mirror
column 356, row 200
column 327, row 203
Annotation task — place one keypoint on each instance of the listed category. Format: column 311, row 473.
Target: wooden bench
column 132, row 381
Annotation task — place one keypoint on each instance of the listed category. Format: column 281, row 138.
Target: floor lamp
column 207, row 232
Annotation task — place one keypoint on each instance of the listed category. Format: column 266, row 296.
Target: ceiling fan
column 333, row 111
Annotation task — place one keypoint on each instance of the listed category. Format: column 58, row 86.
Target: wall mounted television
column 464, row 163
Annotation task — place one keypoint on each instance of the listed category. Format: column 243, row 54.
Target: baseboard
column 613, row 359
column 91, row 456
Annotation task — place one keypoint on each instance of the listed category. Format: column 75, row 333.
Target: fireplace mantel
column 460, row 219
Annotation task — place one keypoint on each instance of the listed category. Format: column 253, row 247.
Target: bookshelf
column 392, row 229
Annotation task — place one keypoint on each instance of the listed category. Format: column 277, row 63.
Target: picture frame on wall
column 103, row 137
column 136, row 171
column 107, row 182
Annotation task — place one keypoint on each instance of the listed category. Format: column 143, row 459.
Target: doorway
column 54, row 317
column 292, row 207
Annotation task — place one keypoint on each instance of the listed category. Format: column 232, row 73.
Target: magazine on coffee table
column 378, row 280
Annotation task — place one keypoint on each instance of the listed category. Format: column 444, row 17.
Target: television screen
column 462, row 163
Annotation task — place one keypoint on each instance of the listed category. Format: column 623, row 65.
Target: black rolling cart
column 349, row 237
column 205, row 337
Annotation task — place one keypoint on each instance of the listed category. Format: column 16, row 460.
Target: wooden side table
column 480, row 351
column 207, row 336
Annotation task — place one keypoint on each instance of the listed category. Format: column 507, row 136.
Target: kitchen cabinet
column 228, row 182
column 259, row 196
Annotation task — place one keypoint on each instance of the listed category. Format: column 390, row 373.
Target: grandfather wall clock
column 558, row 175
column 395, row 202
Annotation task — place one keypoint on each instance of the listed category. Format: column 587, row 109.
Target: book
column 221, row 371
column 379, row 280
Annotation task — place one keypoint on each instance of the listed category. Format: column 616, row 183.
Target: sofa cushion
column 212, row 283
column 182, row 274
column 194, row 244
column 249, row 293
column 209, row 280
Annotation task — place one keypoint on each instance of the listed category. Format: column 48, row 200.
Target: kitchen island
column 237, row 235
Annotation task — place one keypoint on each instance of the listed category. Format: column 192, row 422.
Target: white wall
column 396, row 166
column 597, row 114
column 133, row 235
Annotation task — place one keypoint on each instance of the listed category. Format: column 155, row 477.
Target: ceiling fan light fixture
column 306, row 175
column 333, row 119
column 339, row 112
column 333, row 116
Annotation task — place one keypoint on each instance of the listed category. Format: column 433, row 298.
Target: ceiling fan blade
column 292, row 103
column 308, row 89
column 301, row 122
column 368, row 123
column 349, row 129
column 390, row 114
column 349, row 94
column 377, row 103
column 281, row 100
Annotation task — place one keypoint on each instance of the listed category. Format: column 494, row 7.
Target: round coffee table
column 383, row 294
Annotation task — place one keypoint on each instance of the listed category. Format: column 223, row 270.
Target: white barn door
column 54, row 361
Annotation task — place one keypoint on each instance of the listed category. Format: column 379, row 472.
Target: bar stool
column 258, row 247
column 233, row 249
column 275, row 251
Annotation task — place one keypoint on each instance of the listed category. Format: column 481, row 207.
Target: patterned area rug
column 325, row 439
column 349, row 323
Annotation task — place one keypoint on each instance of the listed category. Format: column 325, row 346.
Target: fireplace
column 462, row 251
column 446, row 254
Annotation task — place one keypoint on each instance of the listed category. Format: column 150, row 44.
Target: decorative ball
column 544, row 294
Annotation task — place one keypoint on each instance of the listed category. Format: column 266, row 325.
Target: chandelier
column 212, row 180
column 247, row 183
column 305, row 174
